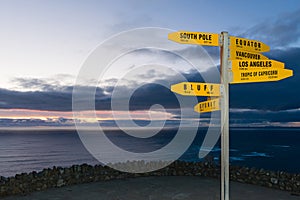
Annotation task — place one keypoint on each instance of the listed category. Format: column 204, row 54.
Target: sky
column 45, row 43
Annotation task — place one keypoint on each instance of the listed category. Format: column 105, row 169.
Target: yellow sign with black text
column 236, row 54
column 248, row 45
column 243, row 65
column 249, row 76
column 199, row 38
column 208, row 106
column 196, row 89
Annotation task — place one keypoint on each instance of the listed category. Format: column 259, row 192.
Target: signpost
column 242, row 65
column 196, row 89
column 200, row 38
column 241, row 62
column 208, row 106
column 250, row 76
column 248, row 45
column 237, row 54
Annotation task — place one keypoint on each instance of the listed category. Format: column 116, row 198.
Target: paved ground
column 161, row 188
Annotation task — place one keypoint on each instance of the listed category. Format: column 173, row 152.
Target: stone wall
column 58, row 177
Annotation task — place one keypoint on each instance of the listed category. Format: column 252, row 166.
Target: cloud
column 272, row 101
column 35, row 84
column 59, row 122
column 279, row 32
column 193, row 52
column 35, row 100
column 51, row 99
column 58, row 82
column 274, row 96
column 53, row 96
column 265, row 118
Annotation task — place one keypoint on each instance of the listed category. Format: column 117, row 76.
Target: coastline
column 56, row 177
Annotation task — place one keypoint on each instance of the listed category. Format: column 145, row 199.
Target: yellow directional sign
column 248, row 45
column 273, row 74
column 196, row 89
column 242, row 65
column 208, row 106
column 200, row 38
column 236, row 54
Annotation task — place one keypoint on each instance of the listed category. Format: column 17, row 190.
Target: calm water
column 25, row 151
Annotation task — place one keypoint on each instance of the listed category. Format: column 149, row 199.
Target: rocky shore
column 58, row 177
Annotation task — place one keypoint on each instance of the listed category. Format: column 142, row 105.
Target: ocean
column 34, row 150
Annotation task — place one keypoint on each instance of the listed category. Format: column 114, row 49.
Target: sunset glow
column 88, row 115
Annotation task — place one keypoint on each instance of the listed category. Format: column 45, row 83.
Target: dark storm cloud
column 46, row 100
column 274, row 96
column 281, row 95
column 55, row 97
column 262, row 117
column 112, row 123
column 52, row 99
column 150, row 94
column 36, row 122
column 283, row 31
column 278, row 32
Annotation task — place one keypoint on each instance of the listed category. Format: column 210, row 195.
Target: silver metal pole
column 224, row 118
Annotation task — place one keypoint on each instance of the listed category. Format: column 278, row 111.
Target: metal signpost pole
column 224, row 118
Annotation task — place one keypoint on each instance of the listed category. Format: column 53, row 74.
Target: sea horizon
column 27, row 150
